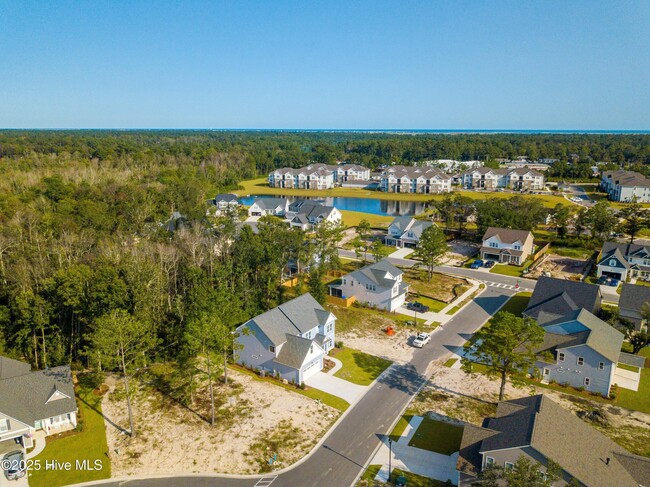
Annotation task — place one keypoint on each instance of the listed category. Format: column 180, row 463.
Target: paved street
column 351, row 444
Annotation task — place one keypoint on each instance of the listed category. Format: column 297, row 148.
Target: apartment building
column 318, row 176
column 412, row 179
column 520, row 178
column 625, row 186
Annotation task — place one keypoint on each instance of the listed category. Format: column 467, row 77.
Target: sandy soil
column 393, row 348
column 460, row 251
column 254, row 416
column 560, row 267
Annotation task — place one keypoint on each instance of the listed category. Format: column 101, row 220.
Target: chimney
column 607, row 461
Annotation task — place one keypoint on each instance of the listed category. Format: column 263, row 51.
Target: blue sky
column 349, row 64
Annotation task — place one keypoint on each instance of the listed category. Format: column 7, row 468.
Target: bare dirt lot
column 255, row 420
column 560, row 267
column 460, row 251
column 471, row 397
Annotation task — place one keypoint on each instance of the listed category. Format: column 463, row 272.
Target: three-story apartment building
column 518, row 179
column 318, row 176
column 626, row 186
column 413, row 179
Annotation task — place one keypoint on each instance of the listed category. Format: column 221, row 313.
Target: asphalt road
column 350, row 446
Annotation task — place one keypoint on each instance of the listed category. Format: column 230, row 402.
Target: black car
column 419, row 307
column 488, row 263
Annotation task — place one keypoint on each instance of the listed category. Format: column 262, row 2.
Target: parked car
column 14, row 465
column 419, row 307
column 478, row 263
column 421, row 340
column 613, row 282
column 401, row 481
column 489, row 264
column 602, row 280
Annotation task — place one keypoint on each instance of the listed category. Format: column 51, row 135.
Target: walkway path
column 337, row 387
column 39, row 444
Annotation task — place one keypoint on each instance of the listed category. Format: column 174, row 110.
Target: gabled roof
column 626, row 249
column 294, row 317
column 405, row 223
column 560, row 296
column 270, row 203
column 614, row 253
column 634, row 297
column 294, row 351
column 507, row 235
column 540, row 423
column 12, row 368
column 225, row 197
column 27, row 397
column 376, row 272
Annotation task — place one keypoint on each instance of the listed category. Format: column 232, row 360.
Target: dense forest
column 83, row 231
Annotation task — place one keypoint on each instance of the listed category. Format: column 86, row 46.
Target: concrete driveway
column 609, row 293
column 337, row 387
column 401, row 253
column 627, row 379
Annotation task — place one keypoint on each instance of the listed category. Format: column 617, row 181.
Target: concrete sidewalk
column 337, row 387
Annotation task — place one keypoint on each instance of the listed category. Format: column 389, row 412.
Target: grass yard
column 517, row 304
column 627, row 367
column 465, row 302
column 450, row 362
column 511, row 270
column 640, row 400
column 573, row 252
column 87, row 444
column 353, row 218
column 442, row 287
column 368, row 477
column 358, row 367
column 437, row 436
column 399, row 428
column 433, row 304
column 415, row 480
column 324, row 397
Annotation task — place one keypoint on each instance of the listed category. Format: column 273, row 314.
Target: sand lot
column 393, row 348
column 256, row 420
column 560, row 267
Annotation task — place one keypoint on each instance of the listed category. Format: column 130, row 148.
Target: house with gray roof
column 379, row 284
column 580, row 350
column 223, row 203
column 624, row 260
column 505, row 245
column 405, row 231
column 289, row 341
column 269, row 206
column 305, row 214
column 540, row 430
column 32, row 401
column 559, row 297
column 631, row 304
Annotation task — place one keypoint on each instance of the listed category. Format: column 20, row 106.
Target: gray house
column 34, row 402
column 405, row 231
column 623, row 260
column 630, row 306
column 561, row 296
column 289, row 341
column 379, row 284
column 223, row 203
column 540, row 430
column 269, row 206
column 579, row 349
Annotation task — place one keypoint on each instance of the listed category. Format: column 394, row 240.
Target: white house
column 269, row 206
column 378, row 284
column 289, row 341
column 33, row 401
column 580, row 350
column 622, row 260
column 405, row 231
column 306, row 214
column 626, row 186
column 413, row 179
column 506, row 245
column 222, row 203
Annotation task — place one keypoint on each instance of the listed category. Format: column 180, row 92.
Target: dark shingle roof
column 227, row 197
column 270, row 203
column 507, row 235
column 12, row 368
column 294, row 351
column 634, row 297
column 25, row 397
column 560, row 296
column 376, row 272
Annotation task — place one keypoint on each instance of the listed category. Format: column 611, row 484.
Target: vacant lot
column 560, row 266
column 255, row 420
column 358, row 367
column 441, row 287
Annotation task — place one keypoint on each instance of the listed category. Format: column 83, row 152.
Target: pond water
column 365, row 205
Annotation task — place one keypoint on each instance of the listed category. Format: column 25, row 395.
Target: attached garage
column 312, row 368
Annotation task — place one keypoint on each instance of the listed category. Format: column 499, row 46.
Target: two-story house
column 541, row 430
column 580, row 350
column 223, row 203
column 507, row 246
column 623, row 261
column 634, row 301
column 306, row 214
column 560, row 297
column 405, row 231
column 269, row 206
column 379, row 284
column 32, row 401
column 626, row 186
column 289, row 341
column 413, row 179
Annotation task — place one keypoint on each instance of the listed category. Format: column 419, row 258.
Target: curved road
column 349, row 447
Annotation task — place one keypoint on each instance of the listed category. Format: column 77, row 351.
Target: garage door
column 311, row 369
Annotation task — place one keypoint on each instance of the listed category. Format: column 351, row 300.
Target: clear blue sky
column 349, row 64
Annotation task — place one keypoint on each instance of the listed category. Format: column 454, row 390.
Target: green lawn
column 574, row 252
column 517, row 304
column 360, row 368
column 399, row 428
column 510, row 270
column 324, row 397
column 433, row 304
column 353, row 218
column 368, row 477
column 627, row 367
column 87, row 444
column 437, row 436
column 639, row 400
column 451, row 362
column 415, row 480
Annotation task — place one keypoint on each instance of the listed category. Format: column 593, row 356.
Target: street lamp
column 390, row 455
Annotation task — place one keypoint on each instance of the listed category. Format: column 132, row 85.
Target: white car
column 421, row 340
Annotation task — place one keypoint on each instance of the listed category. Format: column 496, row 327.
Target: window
column 546, row 372
column 509, row 465
column 489, row 460
column 560, row 357
column 581, row 361
column 601, row 365
column 612, row 263
column 517, row 247
column 587, row 381
column 494, row 244
column 343, row 281
column 4, row 425
column 271, row 349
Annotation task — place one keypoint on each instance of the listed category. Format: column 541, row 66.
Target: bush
column 338, row 344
